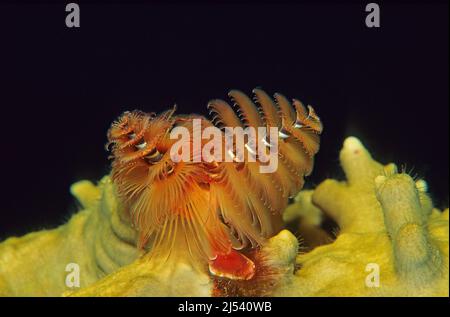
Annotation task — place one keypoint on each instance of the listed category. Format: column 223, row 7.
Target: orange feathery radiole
column 211, row 209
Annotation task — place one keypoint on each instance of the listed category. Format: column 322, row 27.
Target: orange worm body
column 211, row 210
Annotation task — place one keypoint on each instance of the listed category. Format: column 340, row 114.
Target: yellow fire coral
column 391, row 242
column 41, row 263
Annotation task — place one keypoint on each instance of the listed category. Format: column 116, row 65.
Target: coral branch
column 417, row 260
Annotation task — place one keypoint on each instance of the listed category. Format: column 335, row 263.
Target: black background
column 61, row 88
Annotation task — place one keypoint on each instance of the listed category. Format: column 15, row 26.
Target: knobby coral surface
column 390, row 242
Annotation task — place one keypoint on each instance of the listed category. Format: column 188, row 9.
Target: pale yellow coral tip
column 85, row 192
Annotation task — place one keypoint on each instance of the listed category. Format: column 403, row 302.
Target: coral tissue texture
column 390, row 242
column 387, row 226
